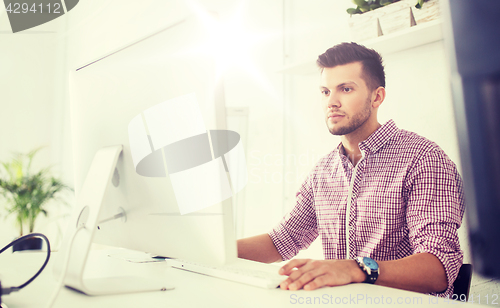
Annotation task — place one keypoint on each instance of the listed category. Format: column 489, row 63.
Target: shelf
column 426, row 33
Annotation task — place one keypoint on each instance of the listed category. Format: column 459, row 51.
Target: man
column 386, row 202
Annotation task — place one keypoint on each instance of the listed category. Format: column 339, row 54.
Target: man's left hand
column 313, row 274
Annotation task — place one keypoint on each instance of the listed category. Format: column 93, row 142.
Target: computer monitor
column 123, row 111
column 474, row 46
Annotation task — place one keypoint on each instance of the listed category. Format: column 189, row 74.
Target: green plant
column 27, row 193
column 363, row 6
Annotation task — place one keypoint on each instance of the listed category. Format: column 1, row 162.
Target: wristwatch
column 370, row 267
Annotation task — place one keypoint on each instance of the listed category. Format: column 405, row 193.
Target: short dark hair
column 345, row 53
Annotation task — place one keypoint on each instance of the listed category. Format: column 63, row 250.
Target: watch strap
column 372, row 278
column 371, row 275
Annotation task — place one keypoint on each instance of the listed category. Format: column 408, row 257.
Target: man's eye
column 325, row 92
column 347, row 90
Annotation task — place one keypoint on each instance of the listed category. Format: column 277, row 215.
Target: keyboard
column 243, row 271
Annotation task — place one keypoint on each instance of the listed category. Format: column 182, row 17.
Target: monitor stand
column 81, row 230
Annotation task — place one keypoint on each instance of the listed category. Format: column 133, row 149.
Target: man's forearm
column 258, row 248
column 421, row 272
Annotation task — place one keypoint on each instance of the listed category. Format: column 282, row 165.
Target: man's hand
column 313, row 274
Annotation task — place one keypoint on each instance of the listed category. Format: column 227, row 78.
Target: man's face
column 346, row 98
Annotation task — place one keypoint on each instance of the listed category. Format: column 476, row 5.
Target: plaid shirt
column 403, row 197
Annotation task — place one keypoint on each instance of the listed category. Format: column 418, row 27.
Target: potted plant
column 27, row 194
column 373, row 18
column 364, row 6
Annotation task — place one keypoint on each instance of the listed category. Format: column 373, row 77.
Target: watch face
column 370, row 263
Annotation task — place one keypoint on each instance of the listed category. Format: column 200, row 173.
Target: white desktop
column 194, row 290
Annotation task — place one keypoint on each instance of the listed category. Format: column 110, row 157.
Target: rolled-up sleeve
column 434, row 212
column 298, row 229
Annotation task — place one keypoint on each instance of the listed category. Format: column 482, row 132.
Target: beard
column 355, row 122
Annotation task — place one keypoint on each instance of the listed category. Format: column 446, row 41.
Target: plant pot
column 365, row 26
column 32, row 243
column 392, row 18
column 396, row 16
column 430, row 11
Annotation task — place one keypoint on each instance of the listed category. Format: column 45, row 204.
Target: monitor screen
column 157, row 95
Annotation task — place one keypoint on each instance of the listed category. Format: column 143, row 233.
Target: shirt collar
column 376, row 140
column 379, row 138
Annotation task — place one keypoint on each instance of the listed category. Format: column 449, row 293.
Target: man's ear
column 378, row 97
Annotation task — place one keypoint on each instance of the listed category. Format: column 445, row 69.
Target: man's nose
column 333, row 101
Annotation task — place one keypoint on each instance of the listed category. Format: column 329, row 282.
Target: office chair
column 462, row 283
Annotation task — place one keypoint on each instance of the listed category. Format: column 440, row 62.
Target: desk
column 191, row 290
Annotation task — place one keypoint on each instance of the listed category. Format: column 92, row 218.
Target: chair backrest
column 462, row 283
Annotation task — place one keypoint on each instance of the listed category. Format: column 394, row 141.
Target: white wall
column 31, row 88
